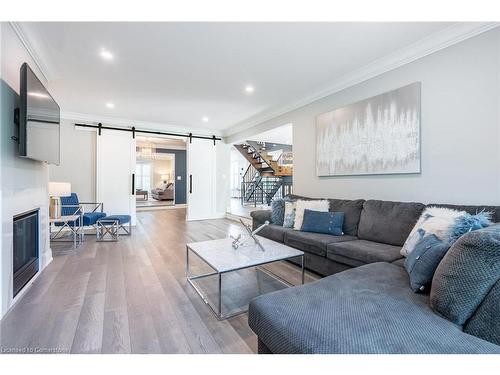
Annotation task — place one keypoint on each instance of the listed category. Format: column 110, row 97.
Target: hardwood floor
column 129, row 296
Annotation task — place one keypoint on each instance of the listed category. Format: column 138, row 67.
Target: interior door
column 116, row 158
column 201, row 179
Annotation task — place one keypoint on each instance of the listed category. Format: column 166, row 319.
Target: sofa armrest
column 260, row 217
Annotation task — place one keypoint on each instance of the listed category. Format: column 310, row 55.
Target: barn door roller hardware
column 134, row 131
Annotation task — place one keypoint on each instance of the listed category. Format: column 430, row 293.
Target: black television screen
column 39, row 120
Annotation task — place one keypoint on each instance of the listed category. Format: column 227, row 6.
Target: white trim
column 447, row 37
column 21, row 34
column 147, row 125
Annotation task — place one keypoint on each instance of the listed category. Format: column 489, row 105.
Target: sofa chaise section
column 369, row 309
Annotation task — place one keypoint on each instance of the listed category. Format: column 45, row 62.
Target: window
column 143, row 176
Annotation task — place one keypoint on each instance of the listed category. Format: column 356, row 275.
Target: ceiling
column 178, row 73
column 281, row 134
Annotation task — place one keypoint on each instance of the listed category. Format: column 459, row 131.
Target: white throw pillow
column 434, row 220
column 302, row 205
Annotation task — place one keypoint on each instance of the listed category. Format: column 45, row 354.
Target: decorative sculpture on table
column 237, row 242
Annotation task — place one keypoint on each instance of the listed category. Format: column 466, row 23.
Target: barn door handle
column 133, row 183
column 190, row 184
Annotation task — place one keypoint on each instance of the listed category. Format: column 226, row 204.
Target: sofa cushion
column 274, row 232
column 368, row 309
column 388, row 222
column 352, row 212
column 344, row 260
column 364, row 251
column 314, row 243
column 466, row 274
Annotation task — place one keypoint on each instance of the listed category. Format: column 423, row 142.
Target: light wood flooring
column 129, row 296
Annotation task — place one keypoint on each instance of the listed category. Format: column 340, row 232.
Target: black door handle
column 133, row 183
column 190, row 184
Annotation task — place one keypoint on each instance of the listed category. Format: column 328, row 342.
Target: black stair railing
column 263, row 189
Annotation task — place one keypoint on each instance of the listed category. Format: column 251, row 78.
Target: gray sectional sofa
column 365, row 305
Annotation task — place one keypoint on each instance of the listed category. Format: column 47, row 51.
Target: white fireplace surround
column 14, row 203
column 24, row 183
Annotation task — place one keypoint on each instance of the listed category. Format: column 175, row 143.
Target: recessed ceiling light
column 204, row 119
column 106, row 55
column 110, row 105
column 249, row 89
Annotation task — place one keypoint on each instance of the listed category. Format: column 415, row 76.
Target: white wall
column 23, row 182
column 160, row 168
column 78, row 163
column 222, row 177
column 460, row 130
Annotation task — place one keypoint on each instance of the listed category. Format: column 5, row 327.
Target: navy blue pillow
column 323, row 222
column 277, row 211
column 423, row 261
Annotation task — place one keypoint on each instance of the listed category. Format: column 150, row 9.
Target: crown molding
column 146, row 125
column 21, row 34
column 437, row 41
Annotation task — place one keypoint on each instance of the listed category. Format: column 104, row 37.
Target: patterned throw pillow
column 278, row 211
column 302, row 205
column 434, row 220
column 289, row 217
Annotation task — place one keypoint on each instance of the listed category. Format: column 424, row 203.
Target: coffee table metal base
column 217, row 312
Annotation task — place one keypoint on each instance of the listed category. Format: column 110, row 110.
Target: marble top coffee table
column 222, row 258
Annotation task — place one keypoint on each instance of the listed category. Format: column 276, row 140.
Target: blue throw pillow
column 423, row 261
column 323, row 222
column 277, row 211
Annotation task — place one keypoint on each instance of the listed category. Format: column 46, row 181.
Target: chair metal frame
column 112, row 228
column 80, row 210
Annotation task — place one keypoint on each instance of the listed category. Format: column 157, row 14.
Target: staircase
column 265, row 178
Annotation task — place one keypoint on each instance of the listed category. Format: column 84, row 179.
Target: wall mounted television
column 39, row 120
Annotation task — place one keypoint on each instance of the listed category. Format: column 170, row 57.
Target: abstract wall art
column 379, row 135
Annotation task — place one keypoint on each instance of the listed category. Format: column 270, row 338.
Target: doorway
column 160, row 173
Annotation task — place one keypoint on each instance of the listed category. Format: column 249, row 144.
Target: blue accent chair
column 72, row 206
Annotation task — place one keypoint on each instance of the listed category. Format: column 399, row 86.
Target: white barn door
column 201, row 195
column 116, row 156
